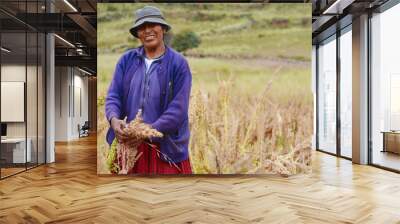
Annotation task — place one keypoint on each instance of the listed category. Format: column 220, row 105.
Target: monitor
column 3, row 129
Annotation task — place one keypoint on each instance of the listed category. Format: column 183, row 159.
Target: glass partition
column 22, row 89
column 41, row 96
column 14, row 153
column 31, row 96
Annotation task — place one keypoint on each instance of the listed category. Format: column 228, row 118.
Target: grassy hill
column 255, row 30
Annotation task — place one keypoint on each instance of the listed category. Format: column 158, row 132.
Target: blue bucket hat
column 148, row 14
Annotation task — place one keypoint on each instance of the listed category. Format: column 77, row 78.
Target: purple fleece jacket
column 175, row 81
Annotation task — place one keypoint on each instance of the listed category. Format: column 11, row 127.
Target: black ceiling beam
column 353, row 7
column 84, row 24
column 331, row 30
column 91, row 5
column 326, row 25
column 322, row 23
column 77, row 61
column 8, row 24
column 74, row 60
column 49, row 22
column 88, row 51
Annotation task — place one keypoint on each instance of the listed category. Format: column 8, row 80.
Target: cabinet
column 391, row 142
column 13, row 151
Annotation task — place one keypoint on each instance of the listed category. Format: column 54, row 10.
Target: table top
column 13, row 140
column 391, row 132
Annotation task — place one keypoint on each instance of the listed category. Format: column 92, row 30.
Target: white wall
column 33, row 126
column 14, row 72
column 70, row 83
column 61, row 103
column 80, row 89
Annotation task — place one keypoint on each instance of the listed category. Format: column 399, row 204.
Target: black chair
column 84, row 130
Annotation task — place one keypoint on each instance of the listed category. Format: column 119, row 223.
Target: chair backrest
column 86, row 125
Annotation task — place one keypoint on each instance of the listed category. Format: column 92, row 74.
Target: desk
column 13, row 150
column 391, row 141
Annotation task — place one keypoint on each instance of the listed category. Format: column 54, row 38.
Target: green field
column 255, row 46
column 248, row 75
column 247, row 30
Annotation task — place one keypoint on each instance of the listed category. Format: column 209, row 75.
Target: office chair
column 84, row 130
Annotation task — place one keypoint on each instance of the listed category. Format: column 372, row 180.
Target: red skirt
column 150, row 163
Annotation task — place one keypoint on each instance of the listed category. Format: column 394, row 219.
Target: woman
column 157, row 80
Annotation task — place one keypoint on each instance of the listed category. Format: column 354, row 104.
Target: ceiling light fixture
column 70, row 5
column 5, row 50
column 337, row 7
column 86, row 72
column 64, row 40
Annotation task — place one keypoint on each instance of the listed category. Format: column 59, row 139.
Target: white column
column 50, row 109
column 360, row 90
column 50, row 92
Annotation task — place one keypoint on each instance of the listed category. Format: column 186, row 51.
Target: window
column 346, row 92
column 385, row 88
column 327, row 95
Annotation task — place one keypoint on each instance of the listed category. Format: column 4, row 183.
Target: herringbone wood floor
column 69, row 191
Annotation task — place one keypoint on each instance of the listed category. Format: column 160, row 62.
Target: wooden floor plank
column 69, row 191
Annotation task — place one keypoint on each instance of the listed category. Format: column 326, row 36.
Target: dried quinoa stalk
column 123, row 155
column 112, row 164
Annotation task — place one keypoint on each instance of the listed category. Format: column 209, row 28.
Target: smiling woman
column 151, row 35
column 154, row 81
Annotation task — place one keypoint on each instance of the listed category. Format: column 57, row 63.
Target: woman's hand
column 118, row 126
